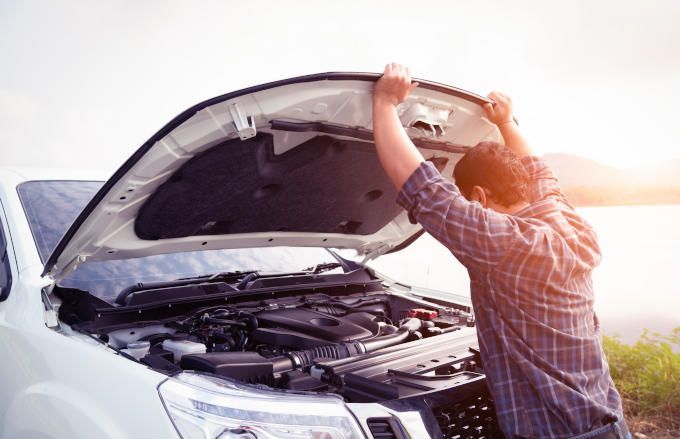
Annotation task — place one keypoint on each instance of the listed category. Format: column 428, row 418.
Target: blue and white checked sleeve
column 478, row 237
column 542, row 181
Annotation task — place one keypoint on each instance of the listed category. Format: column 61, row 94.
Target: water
column 636, row 285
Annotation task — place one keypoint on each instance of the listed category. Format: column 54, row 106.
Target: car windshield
column 51, row 207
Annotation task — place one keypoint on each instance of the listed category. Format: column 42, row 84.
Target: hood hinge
column 377, row 251
column 58, row 274
column 50, row 314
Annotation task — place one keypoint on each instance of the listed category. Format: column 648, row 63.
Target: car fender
column 58, row 411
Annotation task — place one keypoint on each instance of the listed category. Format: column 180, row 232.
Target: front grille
column 473, row 417
column 381, row 428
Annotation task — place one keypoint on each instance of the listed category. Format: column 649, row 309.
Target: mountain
column 589, row 183
column 573, row 171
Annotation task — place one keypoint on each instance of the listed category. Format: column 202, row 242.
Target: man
column 530, row 258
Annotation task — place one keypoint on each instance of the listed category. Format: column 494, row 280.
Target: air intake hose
column 306, row 358
column 401, row 335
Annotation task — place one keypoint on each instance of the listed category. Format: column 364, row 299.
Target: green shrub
column 647, row 374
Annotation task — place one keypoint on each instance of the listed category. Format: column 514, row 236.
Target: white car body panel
column 60, row 384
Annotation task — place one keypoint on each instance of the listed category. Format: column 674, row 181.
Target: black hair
column 496, row 168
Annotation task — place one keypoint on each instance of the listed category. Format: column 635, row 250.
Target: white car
column 219, row 284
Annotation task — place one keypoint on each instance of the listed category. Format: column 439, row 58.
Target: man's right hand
column 500, row 112
column 394, row 85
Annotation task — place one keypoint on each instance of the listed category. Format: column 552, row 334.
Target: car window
column 51, row 207
column 5, row 270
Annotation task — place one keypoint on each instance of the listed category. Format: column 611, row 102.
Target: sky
column 84, row 83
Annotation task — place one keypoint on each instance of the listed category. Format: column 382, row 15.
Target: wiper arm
column 224, row 276
column 255, row 275
column 325, row 266
column 316, row 269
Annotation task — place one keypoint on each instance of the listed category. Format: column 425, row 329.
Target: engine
column 285, row 345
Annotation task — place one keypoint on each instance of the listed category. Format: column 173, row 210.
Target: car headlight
column 205, row 407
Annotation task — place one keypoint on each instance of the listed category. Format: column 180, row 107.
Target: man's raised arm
column 500, row 114
column 542, row 182
column 397, row 153
column 478, row 237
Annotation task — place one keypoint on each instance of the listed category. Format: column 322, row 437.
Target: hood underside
column 289, row 163
column 242, row 186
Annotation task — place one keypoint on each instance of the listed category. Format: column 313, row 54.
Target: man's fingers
column 395, row 83
column 505, row 97
column 496, row 97
column 500, row 98
column 489, row 110
column 500, row 110
column 400, row 71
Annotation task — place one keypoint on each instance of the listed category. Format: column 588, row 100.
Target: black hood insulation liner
column 324, row 185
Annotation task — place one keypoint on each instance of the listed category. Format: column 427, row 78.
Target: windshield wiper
column 222, row 275
column 225, row 276
column 316, row 269
column 325, row 266
column 242, row 277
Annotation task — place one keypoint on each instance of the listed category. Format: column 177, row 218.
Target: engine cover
column 301, row 328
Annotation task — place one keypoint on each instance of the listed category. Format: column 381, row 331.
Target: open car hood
column 289, row 163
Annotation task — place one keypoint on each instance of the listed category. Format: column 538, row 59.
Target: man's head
column 493, row 175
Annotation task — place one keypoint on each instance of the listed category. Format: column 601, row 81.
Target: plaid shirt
column 532, row 292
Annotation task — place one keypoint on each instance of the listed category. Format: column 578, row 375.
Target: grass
column 647, row 374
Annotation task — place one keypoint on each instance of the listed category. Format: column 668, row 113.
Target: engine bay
column 347, row 334
column 341, row 333
column 294, row 346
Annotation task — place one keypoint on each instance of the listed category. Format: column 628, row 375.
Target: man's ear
column 478, row 194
